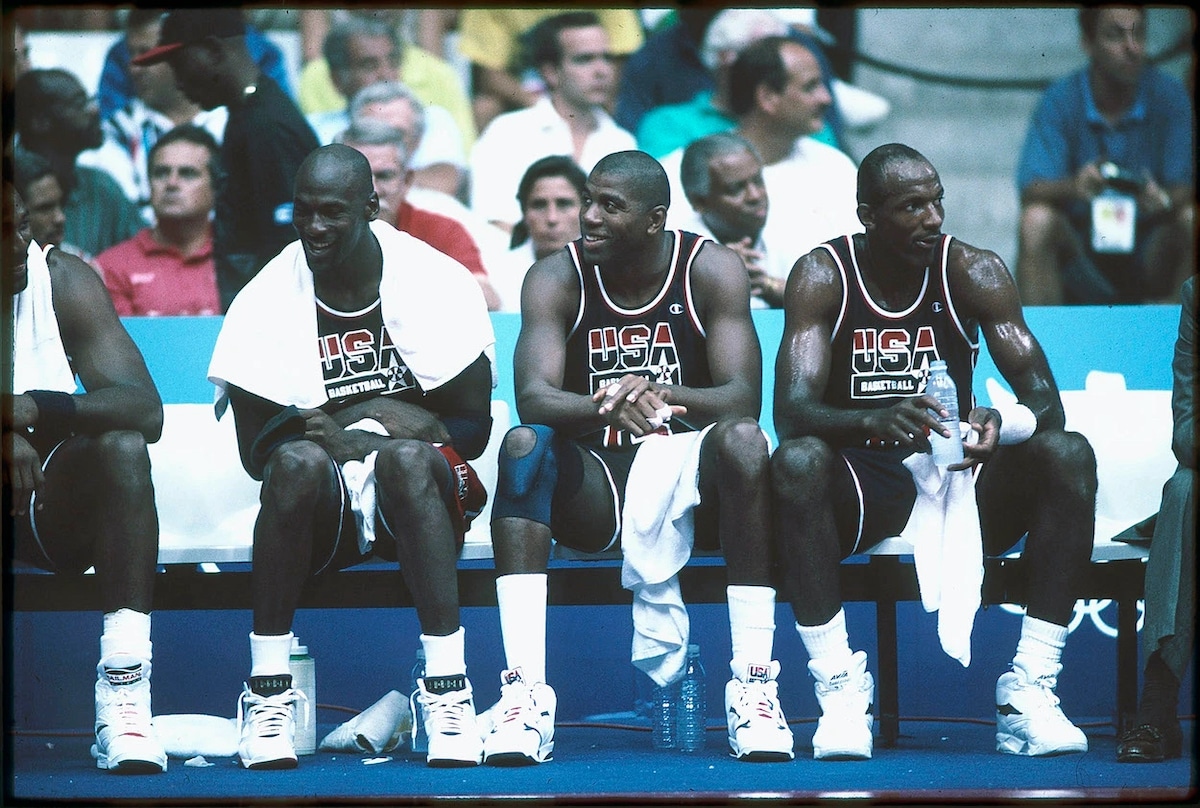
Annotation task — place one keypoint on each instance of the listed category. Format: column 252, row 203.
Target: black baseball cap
column 186, row 26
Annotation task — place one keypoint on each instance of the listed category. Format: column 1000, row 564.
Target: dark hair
column 872, row 172
column 757, row 64
column 555, row 165
column 28, row 168
column 191, row 134
column 541, row 44
column 30, row 91
column 1089, row 20
column 336, row 48
column 648, row 180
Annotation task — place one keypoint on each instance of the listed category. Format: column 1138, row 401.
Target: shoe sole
column 841, row 754
column 450, row 763
column 130, row 765
column 512, row 759
column 1012, row 745
column 272, row 765
column 760, row 756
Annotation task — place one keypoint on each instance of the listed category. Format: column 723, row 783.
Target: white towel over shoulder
column 39, row 358
column 432, row 306
column 656, row 540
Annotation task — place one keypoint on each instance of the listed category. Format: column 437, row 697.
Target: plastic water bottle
column 304, row 678
column 419, row 742
column 691, row 712
column 662, row 715
column 946, row 451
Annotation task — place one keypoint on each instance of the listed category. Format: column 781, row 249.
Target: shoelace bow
column 761, row 699
column 449, row 709
column 130, row 720
column 269, row 713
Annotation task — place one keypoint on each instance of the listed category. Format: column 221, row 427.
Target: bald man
column 636, row 350
column 360, row 448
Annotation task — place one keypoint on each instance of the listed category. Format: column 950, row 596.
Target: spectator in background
column 38, row 185
column 361, row 56
column 361, row 52
column 551, row 196
column 118, row 85
column 572, row 53
column 386, row 149
column 502, row 80
column 722, row 177
column 665, row 128
column 168, row 268
column 779, row 100
column 54, row 117
column 667, row 69
column 1117, row 126
column 266, row 138
column 1169, row 634
column 155, row 106
column 77, row 487
column 20, row 57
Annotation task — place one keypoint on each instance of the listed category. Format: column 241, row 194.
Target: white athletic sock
column 1041, row 645
column 126, row 632
column 445, row 656
column 522, row 600
column 827, row 640
column 270, row 653
column 751, row 625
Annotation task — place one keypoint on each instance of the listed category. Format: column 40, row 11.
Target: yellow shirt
column 431, row 79
column 489, row 36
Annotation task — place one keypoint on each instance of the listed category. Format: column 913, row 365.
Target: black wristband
column 56, row 411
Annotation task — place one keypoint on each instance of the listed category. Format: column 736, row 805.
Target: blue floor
column 932, row 762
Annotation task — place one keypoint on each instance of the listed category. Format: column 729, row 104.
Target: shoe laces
column 759, row 699
column 516, row 700
column 267, row 715
column 448, row 710
column 1045, row 685
column 124, row 710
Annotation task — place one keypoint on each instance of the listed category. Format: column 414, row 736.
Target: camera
column 1120, row 179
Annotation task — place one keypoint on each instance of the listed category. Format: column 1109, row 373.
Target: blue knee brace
column 525, row 485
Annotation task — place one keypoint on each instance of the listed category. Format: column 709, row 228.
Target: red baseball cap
column 187, row 26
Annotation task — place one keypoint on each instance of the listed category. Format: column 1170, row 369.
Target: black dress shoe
column 1147, row 743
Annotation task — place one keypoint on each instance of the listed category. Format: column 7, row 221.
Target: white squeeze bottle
column 946, row 451
column 304, row 678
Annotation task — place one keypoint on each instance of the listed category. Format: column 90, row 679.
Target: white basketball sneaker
column 758, row 732
column 266, row 719
column 450, row 727
column 522, row 730
column 845, row 693
column 125, row 740
column 1028, row 718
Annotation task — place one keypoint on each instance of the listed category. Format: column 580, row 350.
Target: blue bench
column 207, row 503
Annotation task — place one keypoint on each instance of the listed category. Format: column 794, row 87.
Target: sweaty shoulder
column 977, row 277
column 718, row 272
column 814, row 283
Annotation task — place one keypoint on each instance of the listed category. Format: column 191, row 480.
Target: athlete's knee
column 801, row 466
column 406, row 463
column 1066, row 457
column 527, row 474
column 121, row 455
column 741, row 447
column 298, row 463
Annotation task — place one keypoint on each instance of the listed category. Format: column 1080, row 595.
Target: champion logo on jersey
column 675, row 308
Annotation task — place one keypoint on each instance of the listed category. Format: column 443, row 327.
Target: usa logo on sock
column 758, row 673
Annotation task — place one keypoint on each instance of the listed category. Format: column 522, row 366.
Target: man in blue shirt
column 1109, row 144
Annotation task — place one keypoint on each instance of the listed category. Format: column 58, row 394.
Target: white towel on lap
column 39, row 358
column 432, row 306
column 943, row 529
column 656, row 540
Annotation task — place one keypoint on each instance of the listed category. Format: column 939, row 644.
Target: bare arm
column 549, row 299
column 811, row 302
column 985, row 292
column 119, row 391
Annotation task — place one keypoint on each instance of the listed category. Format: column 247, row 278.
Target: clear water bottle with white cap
column 304, row 678
column 946, row 451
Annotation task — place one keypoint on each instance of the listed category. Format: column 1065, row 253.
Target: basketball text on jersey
column 641, row 349
column 891, row 362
